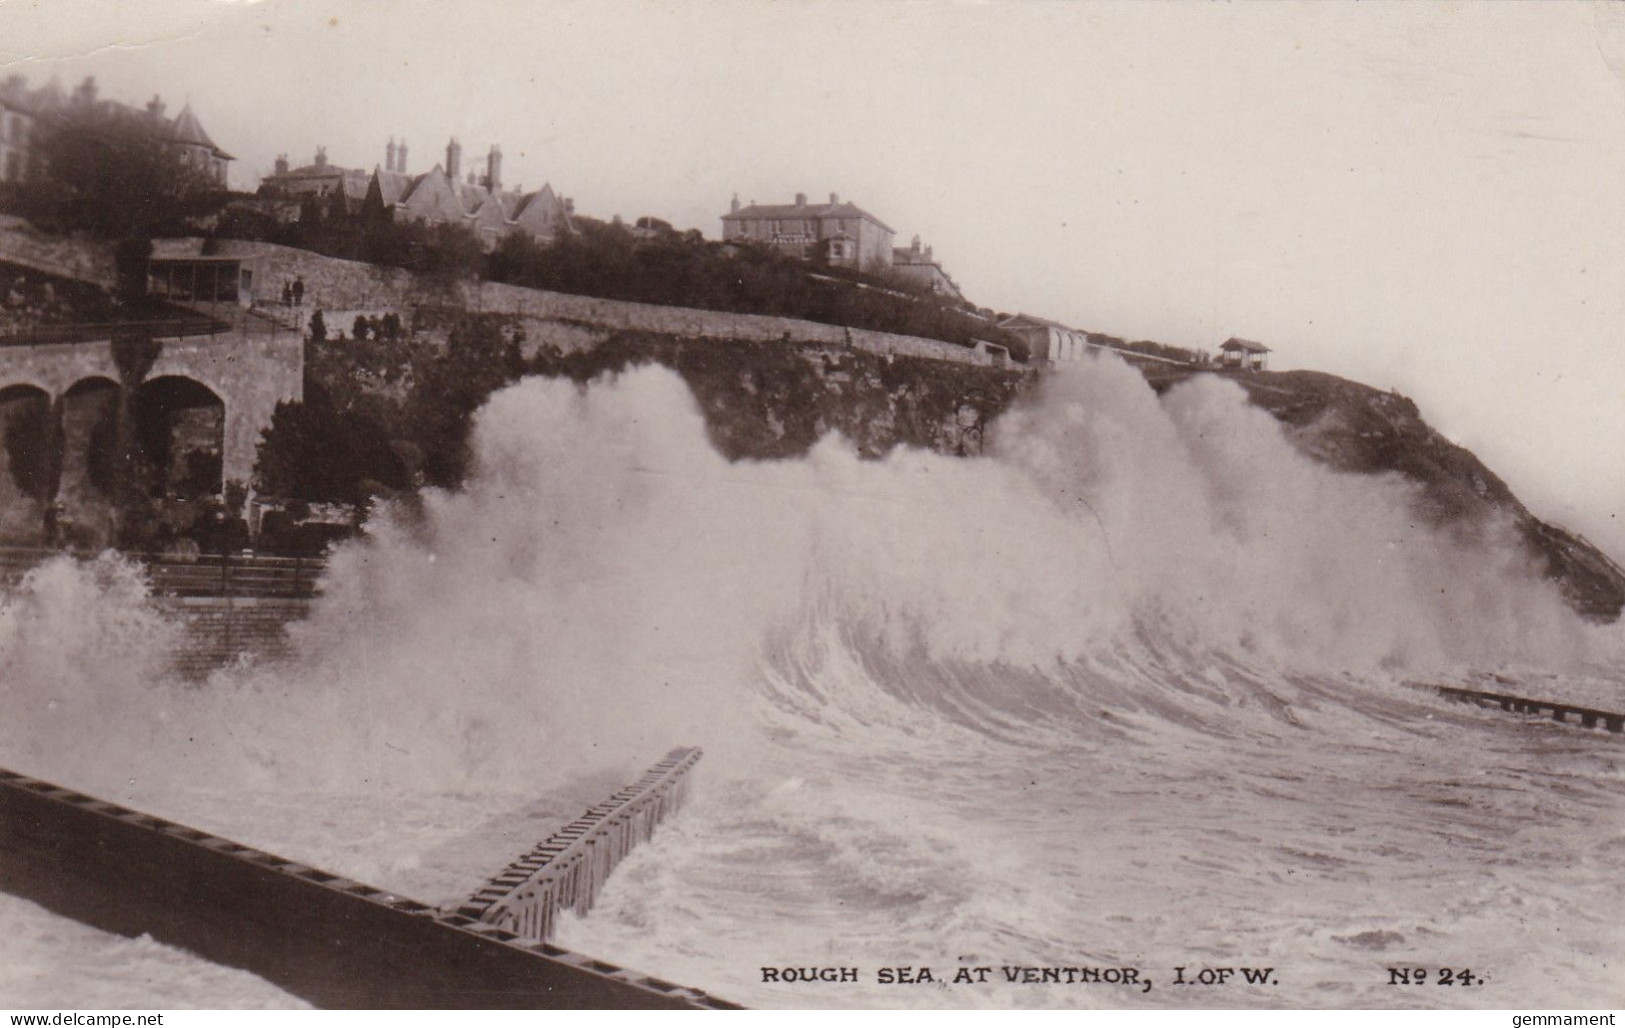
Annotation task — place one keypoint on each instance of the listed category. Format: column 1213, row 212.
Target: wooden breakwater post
column 566, row 870
column 323, row 937
column 1585, row 717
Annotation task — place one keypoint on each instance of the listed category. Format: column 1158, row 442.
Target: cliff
column 769, row 400
column 1358, row 429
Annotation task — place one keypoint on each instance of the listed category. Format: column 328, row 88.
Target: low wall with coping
column 331, row 284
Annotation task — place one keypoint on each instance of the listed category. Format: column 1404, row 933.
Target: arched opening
column 180, row 435
column 89, row 438
column 27, row 463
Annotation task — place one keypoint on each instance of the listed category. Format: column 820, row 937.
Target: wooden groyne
column 566, row 870
column 1585, row 717
column 330, row 940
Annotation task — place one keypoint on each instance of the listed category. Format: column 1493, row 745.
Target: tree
column 450, row 386
column 131, row 259
column 107, row 171
column 316, row 450
column 134, row 354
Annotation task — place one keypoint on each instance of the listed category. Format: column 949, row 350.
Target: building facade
column 918, row 266
column 1245, row 354
column 836, row 233
column 16, row 130
column 442, row 195
column 1048, row 342
column 24, row 112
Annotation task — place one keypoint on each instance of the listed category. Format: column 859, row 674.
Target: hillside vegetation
column 1362, row 430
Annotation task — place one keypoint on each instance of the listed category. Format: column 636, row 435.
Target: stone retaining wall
column 563, row 319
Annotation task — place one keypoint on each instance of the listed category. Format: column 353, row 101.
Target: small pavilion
column 1243, row 354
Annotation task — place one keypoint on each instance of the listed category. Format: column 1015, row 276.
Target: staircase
column 224, row 630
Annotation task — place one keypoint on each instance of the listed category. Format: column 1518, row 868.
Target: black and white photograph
column 911, row 505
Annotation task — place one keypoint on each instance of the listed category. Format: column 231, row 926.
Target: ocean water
column 1142, row 690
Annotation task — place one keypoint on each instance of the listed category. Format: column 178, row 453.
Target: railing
column 1585, row 716
column 95, row 332
column 212, row 575
column 567, row 870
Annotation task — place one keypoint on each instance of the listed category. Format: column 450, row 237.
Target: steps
column 223, row 630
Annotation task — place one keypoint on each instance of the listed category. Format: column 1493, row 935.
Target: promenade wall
column 564, row 320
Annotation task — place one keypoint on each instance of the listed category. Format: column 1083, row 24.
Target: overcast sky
column 1420, row 196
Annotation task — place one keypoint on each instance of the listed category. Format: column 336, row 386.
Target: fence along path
column 209, row 575
column 568, row 868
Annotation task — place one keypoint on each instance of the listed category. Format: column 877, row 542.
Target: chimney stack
column 281, row 164
column 915, row 246
column 389, row 155
column 493, row 168
column 155, row 108
column 833, row 199
column 801, row 199
column 321, row 157
column 400, row 156
column 734, row 208
column 454, row 159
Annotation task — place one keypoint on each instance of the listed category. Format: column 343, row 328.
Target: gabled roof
column 788, row 211
column 1236, row 343
column 311, row 171
column 395, row 186
column 1033, row 321
column 187, row 129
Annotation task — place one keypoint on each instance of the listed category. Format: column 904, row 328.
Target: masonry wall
column 72, row 257
column 250, row 374
column 549, row 318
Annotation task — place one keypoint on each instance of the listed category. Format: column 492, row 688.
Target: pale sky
column 1420, row 196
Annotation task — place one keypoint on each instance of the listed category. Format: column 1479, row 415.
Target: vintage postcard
column 827, row 505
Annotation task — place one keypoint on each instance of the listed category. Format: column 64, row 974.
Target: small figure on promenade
column 287, row 294
column 299, row 292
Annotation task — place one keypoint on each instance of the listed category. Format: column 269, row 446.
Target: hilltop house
column 437, row 196
column 1048, row 342
column 915, row 265
column 841, row 234
column 1243, row 353
column 22, row 110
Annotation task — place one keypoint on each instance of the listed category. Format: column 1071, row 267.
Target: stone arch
column 89, row 417
column 27, row 462
column 180, row 432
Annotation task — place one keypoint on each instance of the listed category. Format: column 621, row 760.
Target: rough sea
column 1144, row 691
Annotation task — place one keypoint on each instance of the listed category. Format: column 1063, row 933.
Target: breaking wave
column 1144, row 637
column 607, row 583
